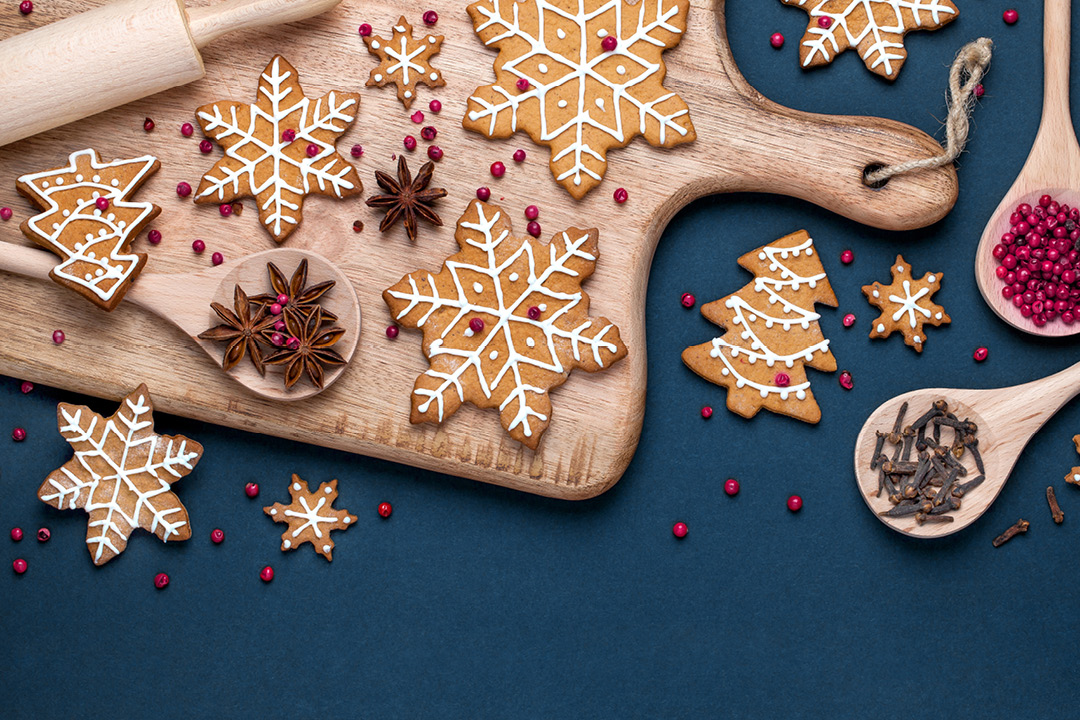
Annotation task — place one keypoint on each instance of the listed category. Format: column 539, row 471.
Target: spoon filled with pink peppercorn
column 1028, row 262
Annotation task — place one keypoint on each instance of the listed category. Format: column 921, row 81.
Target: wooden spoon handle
column 1023, row 409
column 209, row 22
column 27, row 261
column 1056, row 51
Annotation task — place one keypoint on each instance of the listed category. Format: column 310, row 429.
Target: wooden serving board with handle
column 744, row 143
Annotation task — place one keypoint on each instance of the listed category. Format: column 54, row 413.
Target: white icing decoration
column 324, row 173
column 378, row 77
column 909, row 304
column 561, row 103
column 507, row 315
column 560, row 34
column 311, row 515
column 494, row 355
column 621, row 69
column 160, row 464
column 434, row 76
column 326, row 548
column 116, row 266
column 286, row 544
column 931, row 278
column 542, row 68
column 478, row 287
column 881, row 328
column 513, row 277
column 408, row 93
column 328, row 490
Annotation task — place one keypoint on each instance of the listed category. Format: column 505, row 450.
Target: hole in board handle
column 873, row 167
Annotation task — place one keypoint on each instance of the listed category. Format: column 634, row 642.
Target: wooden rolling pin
column 117, row 53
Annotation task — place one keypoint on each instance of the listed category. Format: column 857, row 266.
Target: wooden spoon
column 1007, row 419
column 1052, row 168
column 160, row 294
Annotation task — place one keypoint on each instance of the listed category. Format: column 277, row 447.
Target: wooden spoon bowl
column 1052, row 168
column 1007, row 418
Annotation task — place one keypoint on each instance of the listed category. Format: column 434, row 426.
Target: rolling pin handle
column 209, row 22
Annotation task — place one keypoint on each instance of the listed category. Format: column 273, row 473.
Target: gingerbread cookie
column 581, row 78
column 310, row 516
column 279, row 149
column 407, row 198
column 905, row 304
column 121, row 474
column 773, row 332
column 405, row 62
column 504, row 322
column 90, row 221
column 1073, row 478
column 875, row 27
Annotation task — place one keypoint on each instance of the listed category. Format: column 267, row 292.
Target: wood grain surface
column 745, row 143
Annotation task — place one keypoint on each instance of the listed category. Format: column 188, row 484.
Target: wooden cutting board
column 744, row 143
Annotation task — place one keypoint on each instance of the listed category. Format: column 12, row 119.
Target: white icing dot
column 937, row 316
column 408, row 93
column 542, row 67
column 431, row 39
column 273, row 512
column 97, row 178
column 326, row 548
column 328, row 490
column 809, row 251
column 60, row 181
column 600, row 103
column 115, row 182
column 434, row 76
column 530, row 342
column 542, row 306
column 89, row 276
column 296, row 486
column 78, row 178
column 468, row 333
column 601, row 33
column 91, row 255
column 880, row 328
column 561, row 103
column 900, row 268
column 916, row 339
column 378, row 77
column 560, row 34
column 477, row 287
column 876, row 294
column 620, row 69
column 45, row 184
column 494, row 354
column 286, row 544
column 931, row 278
column 513, row 277
column 375, row 44
column 346, row 520
column 725, row 372
column 99, row 272
column 398, row 28
column 56, row 226
column 66, row 213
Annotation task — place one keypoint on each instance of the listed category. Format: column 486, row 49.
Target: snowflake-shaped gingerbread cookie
column 121, row 475
column 310, row 516
column 279, row 149
column 404, row 62
column 875, row 27
column 906, row 304
column 504, row 322
column 582, row 77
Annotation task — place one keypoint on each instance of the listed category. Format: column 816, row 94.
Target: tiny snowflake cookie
column 310, row 516
column 875, row 27
column 121, row 474
column 90, row 221
column 581, row 77
column 279, row 149
column 1073, row 478
column 504, row 322
column 405, row 62
column 905, row 305
column 773, row 332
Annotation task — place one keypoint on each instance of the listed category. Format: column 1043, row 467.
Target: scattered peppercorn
column 679, row 530
column 731, row 487
column 385, row 509
column 777, row 40
column 706, row 412
column 148, row 125
column 687, row 300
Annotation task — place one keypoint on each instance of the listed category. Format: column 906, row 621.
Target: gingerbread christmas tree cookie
column 581, row 77
column 906, row 304
column 876, row 28
column 279, row 149
column 89, row 220
column 504, row 322
column 310, row 517
column 772, row 334
column 121, row 475
column 404, row 62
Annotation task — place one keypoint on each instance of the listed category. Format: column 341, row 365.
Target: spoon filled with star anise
column 284, row 322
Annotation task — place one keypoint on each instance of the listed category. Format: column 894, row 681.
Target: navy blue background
column 478, row 601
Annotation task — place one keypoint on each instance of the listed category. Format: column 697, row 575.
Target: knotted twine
column 967, row 72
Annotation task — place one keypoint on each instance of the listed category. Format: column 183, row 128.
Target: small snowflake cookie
column 90, row 221
column 504, row 322
column 581, row 78
column 310, row 516
column 121, row 475
column 404, row 62
column 875, row 27
column 905, row 304
column 1073, row 478
column 773, row 332
column 279, row 149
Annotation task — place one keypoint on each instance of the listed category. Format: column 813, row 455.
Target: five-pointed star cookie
column 582, row 77
column 875, row 27
column 905, row 304
column 403, row 61
column 310, row 516
column 279, row 149
column 504, row 322
column 121, row 474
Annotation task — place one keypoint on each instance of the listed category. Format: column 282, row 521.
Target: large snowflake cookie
column 906, row 304
column 279, row 149
column 121, row 474
column 875, row 27
column 310, row 516
column 773, row 332
column 404, row 62
column 504, row 322
column 582, row 77
column 90, row 221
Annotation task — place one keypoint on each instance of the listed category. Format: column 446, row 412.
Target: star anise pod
column 241, row 329
column 406, row 198
column 301, row 297
column 311, row 351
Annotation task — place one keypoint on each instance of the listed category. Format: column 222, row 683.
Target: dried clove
column 1055, row 509
column 1021, row 526
column 877, row 449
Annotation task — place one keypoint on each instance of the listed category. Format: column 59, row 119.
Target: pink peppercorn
column 217, row 258
column 409, row 142
column 277, row 339
column 476, row 325
column 58, row 337
column 251, row 489
column 392, row 331
column 846, row 381
column 293, row 343
column 1010, row 17
column 794, row 503
column 777, row 40
column 979, row 90
column 498, row 169
column 5, row 213
column 16, row 534
column 153, row 237
column 522, row 84
column 781, row 380
column 435, row 153
column 621, row 195
column 225, row 209
column 26, row 387
column 267, row 574
column 980, row 354
column 519, row 155
column 26, row 7
column 731, row 487
column 102, row 203
column 532, row 212
column 849, row 320
column 847, row 257
column 161, row 581
column 429, row 132
column 356, row 151
column 679, row 530
column 187, row 129
column 282, row 299
column 312, row 150
column 706, row 412
column 183, row 189
column 385, row 510
column 280, row 327
column 18, row 434
column 276, row 309
column 288, row 135
column 431, row 17
column 824, row 22
column 533, row 228
column 19, row 565
column 534, row 313
column 205, row 146
column 198, row 246
column 364, row 29
column 148, row 125
column 434, row 106
column 43, row 535
column 609, row 43
column 687, row 300
column 417, row 117
column 217, row 536
column 483, row 194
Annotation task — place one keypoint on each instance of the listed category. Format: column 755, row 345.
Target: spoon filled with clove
column 1037, row 224
column 160, row 294
column 930, row 462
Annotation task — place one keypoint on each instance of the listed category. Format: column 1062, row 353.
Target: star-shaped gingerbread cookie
column 1073, row 478
column 310, row 516
column 905, row 304
column 875, row 27
column 121, row 474
column 279, row 149
column 405, row 62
